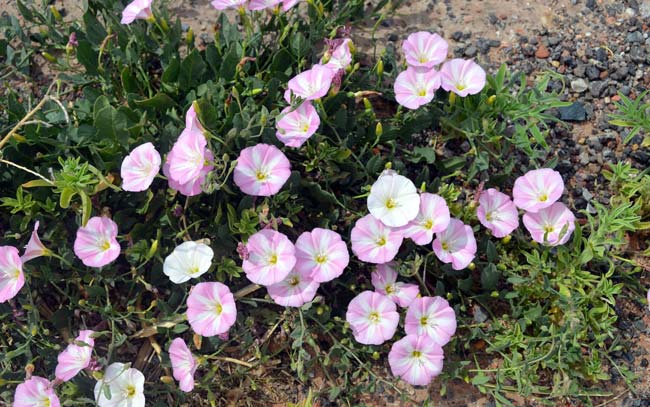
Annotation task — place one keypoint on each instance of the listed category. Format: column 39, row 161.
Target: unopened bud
column 380, row 68
column 49, row 57
column 379, row 129
column 55, row 13
column 491, row 99
column 506, row 239
column 189, row 38
column 375, row 355
column 471, row 266
column 367, row 105
column 166, row 379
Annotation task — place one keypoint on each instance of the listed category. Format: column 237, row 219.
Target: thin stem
column 24, row 120
column 26, row 170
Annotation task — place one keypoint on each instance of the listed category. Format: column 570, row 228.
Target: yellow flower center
column 548, row 229
column 194, row 269
column 390, row 203
column 381, row 241
column 422, row 92
column 304, row 127
column 424, row 321
column 422, row 59
column 130, row 391
column 428, row 224
column 543, row 198
column 321, row 258
column 389, row 289
column 294, row 281
column 445, row 246
column 16, row 274
column 46, row 402
column 374, row 317
column 260, row 176
column 460, row 86
column 416, row 354
column 218, row 308
column 273, row 260
column 105, row 245
column 488, row 216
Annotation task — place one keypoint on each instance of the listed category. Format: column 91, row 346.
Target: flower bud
column 380, row 68
column 379, row 129
column 166, row 379
column 49, row 57
column 491, row 99
column 189, row 38
column 56, row 14
column 375, row 355
column 472, row 266
column 367, row 105
column 506, row 239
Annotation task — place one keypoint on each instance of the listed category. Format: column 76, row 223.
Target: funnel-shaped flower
column 34, row 247
column 551, row 226
column 424, row 50
column 271, row 256
column 433, row 217
column 463, row 77
column 36, row 392
column 374, row 242
column 341, row 56
column 194, row 186
column 431, row 316
column 227, row 4
column 456, row 245
column 288, row 4
column 261, row 170
column 393, row 200
column 187, row 157
column 95, row 244
column 312, row 83
column 75, row 357
column 296, row 126
column 137, row 10
column 140, row 167
column 125, row 386
column 372, row 317
column 537, row 189
column 211, row 309
column 188, row 260
column 497, row 212
column 262, row 4
column 295, row 290
column 321, row 254
column 12, row 278
column 184, row 364
column 416, row 359
column 384, row 279
column 415, row 88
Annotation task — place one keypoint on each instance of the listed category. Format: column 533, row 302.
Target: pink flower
column 288, row 4
column 36, row 392
column 384, row 279
column 140, row 167
column 424, row 50
column 75, row 357
column 463, row 77
column 296, row 126
column 295, row 290
column 497, row 212
column 551, row 226
column 262, row 4
column 433, row 217
column 12, row 278
column 192, row 122
column 321, row 254
column 34, row 247
column 341, row 56
column 416, row 359
column 372, row 317
column 455, row 245
column 95, row 244
column 261, row 170
column 227, row 4
column 187, row 157
column 374, row 242
column 311, row 84
column 271, row 257
column 393, row 199
column 414, row 88
column 183, row 364
column 194, row 186
column 537, row 189
column 137, row 10
column 433, row 317
column 211, row 309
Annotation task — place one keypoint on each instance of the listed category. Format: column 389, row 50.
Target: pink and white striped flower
column 340, row 57
column 415, row 88
column 137, row 10
column 424, row 50
column 384, row 279
column 187, row 157
column 321, row 254
column 433, row 217
column 96, row 244
column 35, row 248
column 433, row 317
column 227, row 4
column 125, row 385
column 188, row 260
column 288, row 4
column 295, row 290
column 36, row 392
column 497, row 212
column 455, row 245
column 393, row 199
column 76, row 356
column 184, row 364
column 416, row 359
column 271, row 256
column 194, row 186
column 12, row 278
column 311, row 84
column 537, row 189
column 372, row 317
column 255, row 5
column 551, row 226
column 296, row 126
column 374, row 242
column 463, row 77
column 261, row 170
column 211, row 309
column 140, row 167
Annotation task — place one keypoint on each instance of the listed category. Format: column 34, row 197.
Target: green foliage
column 634, row 114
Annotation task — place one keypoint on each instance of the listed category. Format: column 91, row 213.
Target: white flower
column 393, row 199
column 122, row 386
column 188, row 260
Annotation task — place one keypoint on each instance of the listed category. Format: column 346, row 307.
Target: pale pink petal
column 537, row 189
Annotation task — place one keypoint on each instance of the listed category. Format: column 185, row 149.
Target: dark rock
column 388, row 22
column 596, row 88
column 625, row 90
column 637, row 54
column 592, row 72
column 492, row 18
column 580, row 70
column 554, row 40
column 533, row 40
column 634, row 37
column 393, row 37
column 471, row 51
column 600, row 54
column 644, row 362
column 573, row 113
column 591, row 4
column 620, row 74
column 457, row 35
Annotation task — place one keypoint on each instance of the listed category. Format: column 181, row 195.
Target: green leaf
column 161, row 101
column 129, row 83
column 171, row 72
column 36, row 183
column 95, row 31
column 110, row 123
column 87, row 57
column 191, row 70
column 66, row 197
column 86, row 208
column 229, row 64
